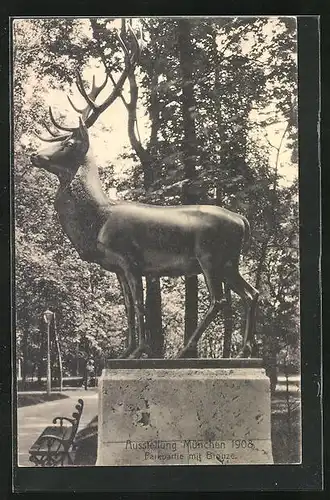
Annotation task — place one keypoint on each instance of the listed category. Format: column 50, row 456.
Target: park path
column 31, row 420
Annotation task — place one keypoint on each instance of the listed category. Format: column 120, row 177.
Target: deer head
column 66, row 152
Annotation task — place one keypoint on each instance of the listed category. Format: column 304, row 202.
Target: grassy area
column 67, row 383
column 286, row 430
column 36, row 398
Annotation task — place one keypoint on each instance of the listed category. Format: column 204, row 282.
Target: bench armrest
column 71, row 420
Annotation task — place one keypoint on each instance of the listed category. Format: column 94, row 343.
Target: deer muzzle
column 39, row 160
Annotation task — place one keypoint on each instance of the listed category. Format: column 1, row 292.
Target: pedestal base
column 180, row 415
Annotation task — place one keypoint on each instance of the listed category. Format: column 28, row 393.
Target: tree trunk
column 154, row 328
column 153, row 312
column 154, row 325
column 189, row 154
column 84, row 347
column 270, row 360
column 233, row 153
column 153, row 300
column 191, row 311
column 24, row 356
column 58, row 352
column 228, row 323
column 85, row 375
column 40, row 354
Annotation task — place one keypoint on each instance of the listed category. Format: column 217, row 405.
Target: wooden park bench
column 54, row 445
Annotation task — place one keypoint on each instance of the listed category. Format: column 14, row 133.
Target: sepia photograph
column 156, row 239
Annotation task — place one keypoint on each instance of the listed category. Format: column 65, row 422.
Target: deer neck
column 83, row 207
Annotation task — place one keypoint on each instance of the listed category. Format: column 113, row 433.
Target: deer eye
column 70, row 142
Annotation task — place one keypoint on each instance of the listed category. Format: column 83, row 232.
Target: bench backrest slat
column 76, row 415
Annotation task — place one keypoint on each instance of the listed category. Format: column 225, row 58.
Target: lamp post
column 58, row 350
column 19, row 369
column 48, row 315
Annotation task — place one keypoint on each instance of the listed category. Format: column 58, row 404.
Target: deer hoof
column 126, row 353
column 245, row 352
column 141, row 350
column 146, row 351
column 185, row 352
column 135, row 354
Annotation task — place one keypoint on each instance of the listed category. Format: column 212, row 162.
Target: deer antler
column 90, row 97
column 58, row 125
column 49, row 130
column 55, row 137
column 92, row 111
column 51, row 139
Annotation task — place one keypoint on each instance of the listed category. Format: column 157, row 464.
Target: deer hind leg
column 130, row 314
column 249, row 295
column 214, row 285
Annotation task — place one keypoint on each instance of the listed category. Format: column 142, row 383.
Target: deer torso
column 166, row 241
column 161, row 241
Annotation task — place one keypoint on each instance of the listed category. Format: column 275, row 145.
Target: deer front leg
column 130, row 314
column 131, row 282
column 134, row 280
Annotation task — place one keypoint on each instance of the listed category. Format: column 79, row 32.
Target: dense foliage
column 243, row 73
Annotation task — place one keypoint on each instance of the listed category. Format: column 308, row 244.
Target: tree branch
column 231, row 40
column 103, row 58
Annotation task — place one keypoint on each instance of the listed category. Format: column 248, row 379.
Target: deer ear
column 83, row 130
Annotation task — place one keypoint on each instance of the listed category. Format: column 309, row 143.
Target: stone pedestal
column 184, row 412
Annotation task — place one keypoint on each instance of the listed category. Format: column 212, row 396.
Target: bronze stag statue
column 135, row 240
